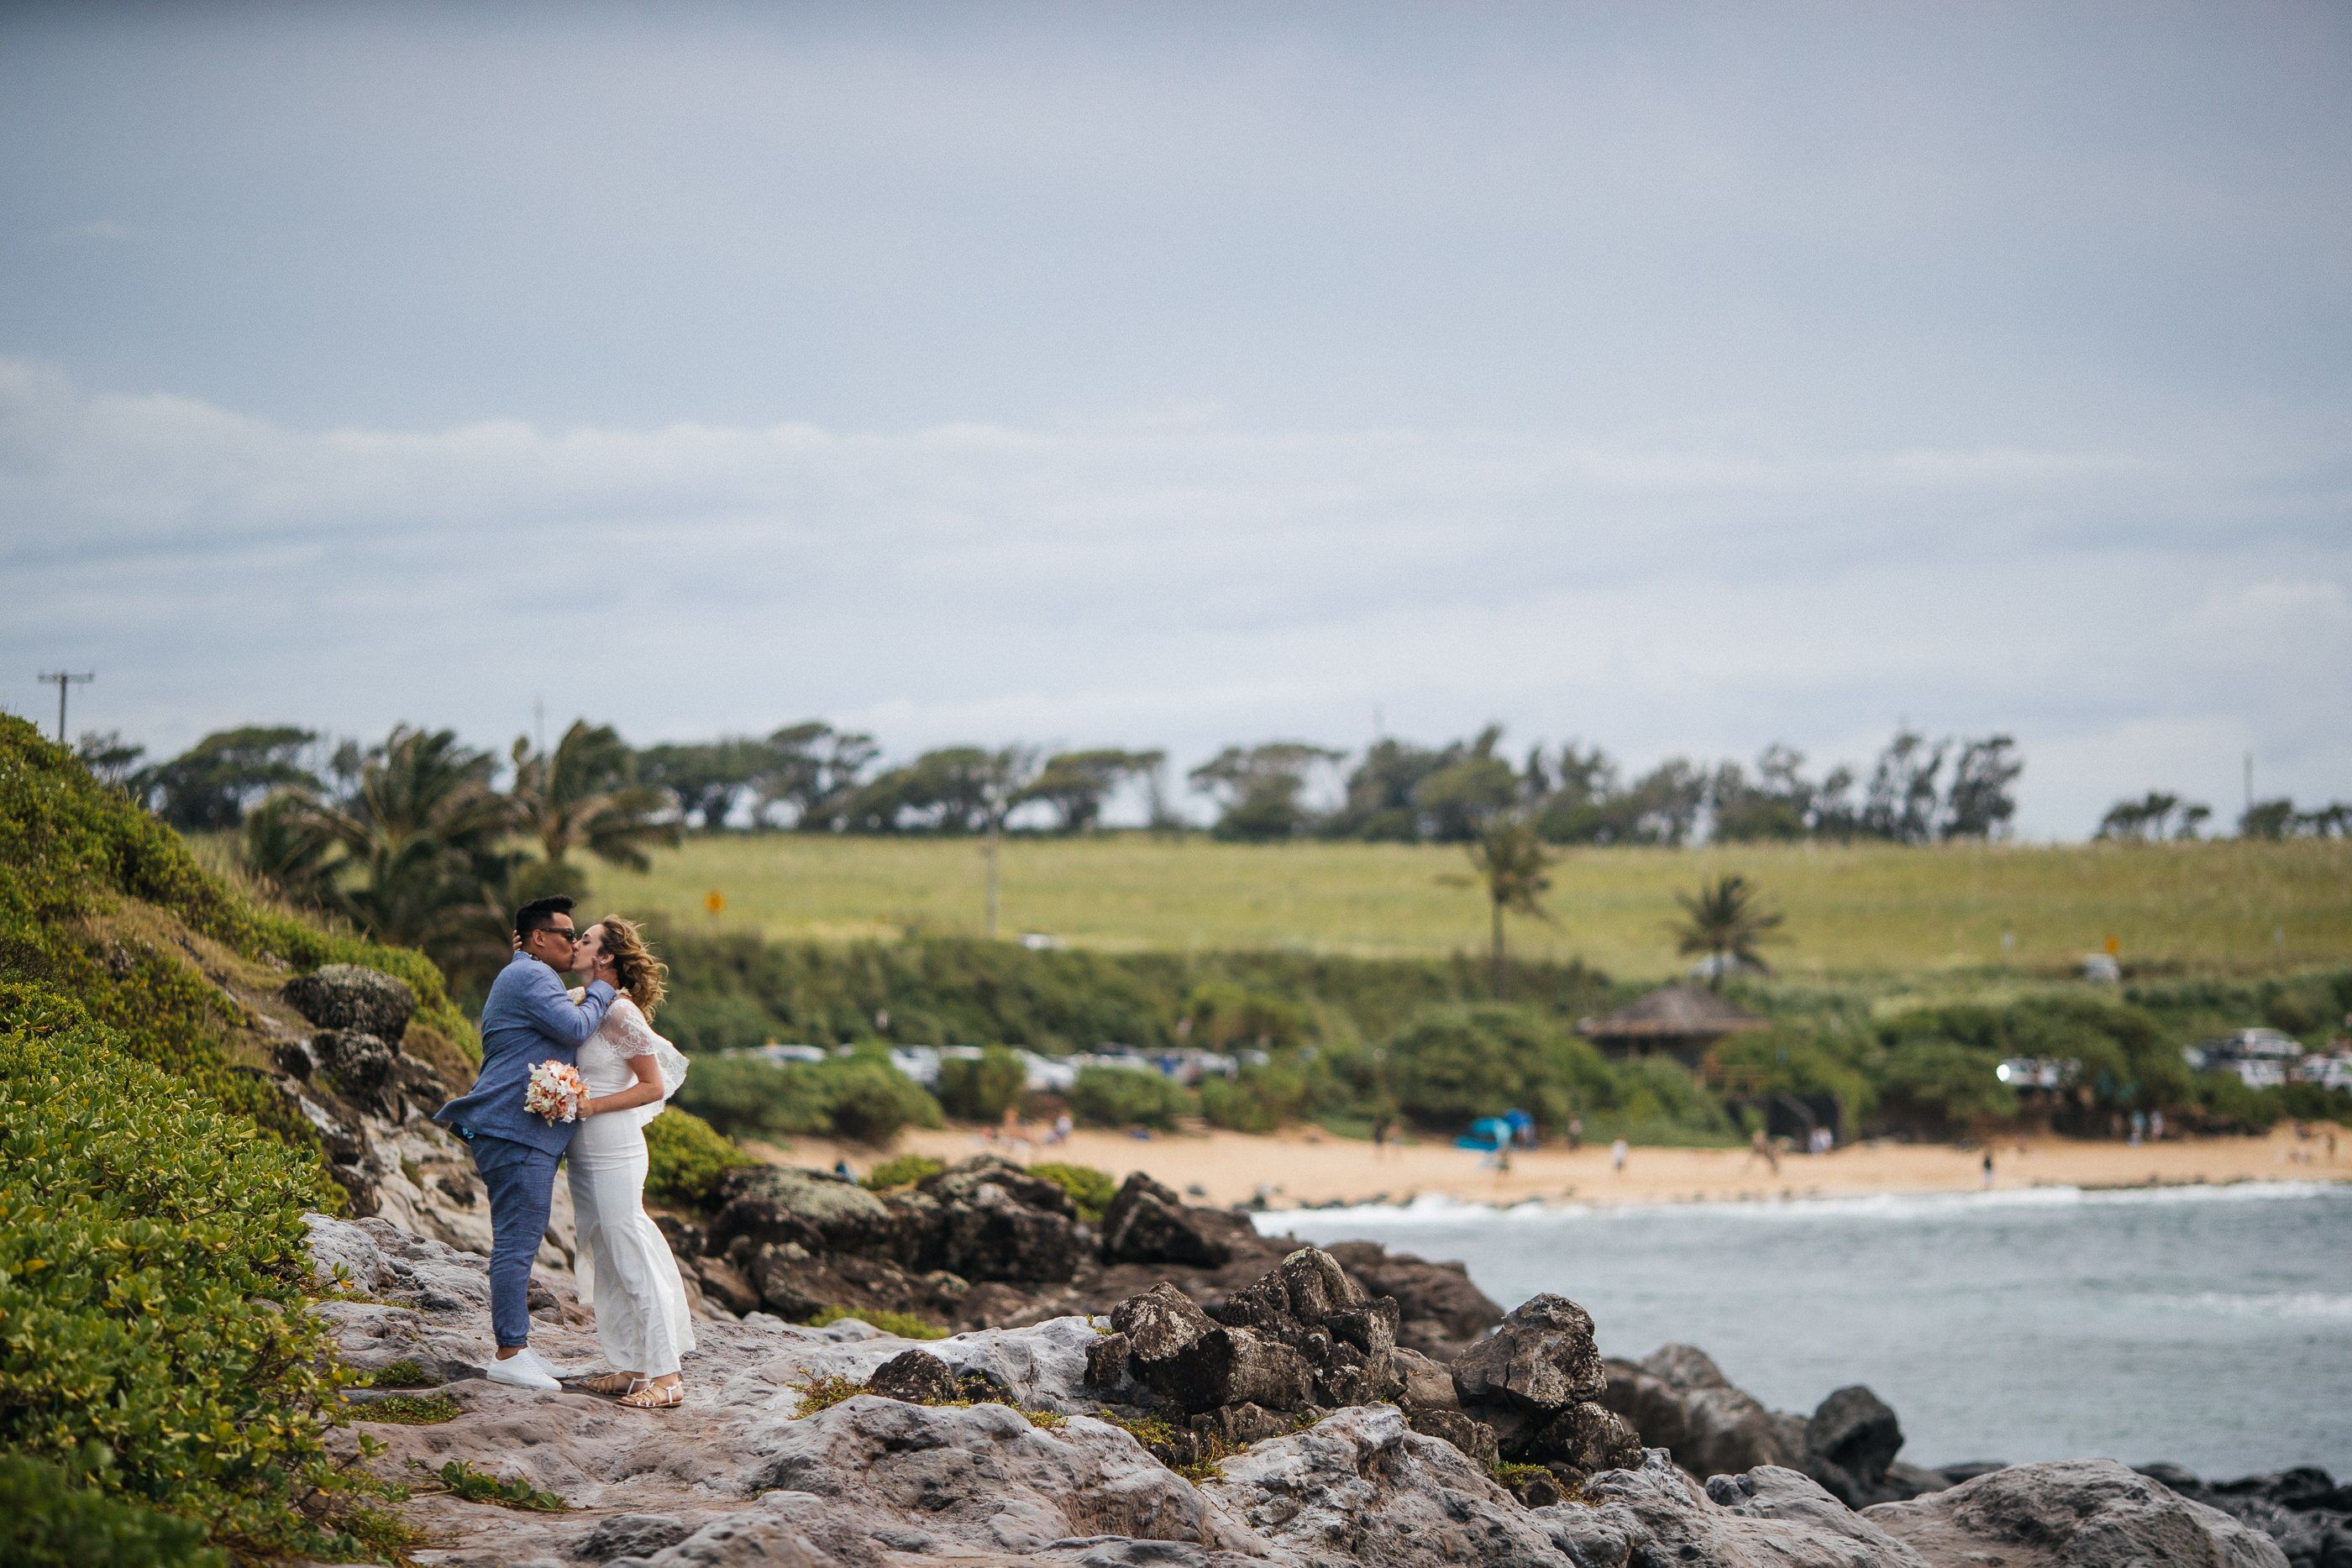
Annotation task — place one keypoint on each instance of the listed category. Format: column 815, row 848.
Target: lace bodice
column 604, row 1060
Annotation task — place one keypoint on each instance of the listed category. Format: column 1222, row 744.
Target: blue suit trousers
column 522, row 1180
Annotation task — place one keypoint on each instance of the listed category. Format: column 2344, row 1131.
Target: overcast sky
column 1679, row 378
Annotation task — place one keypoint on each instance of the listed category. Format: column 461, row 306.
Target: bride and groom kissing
column 604, row 1030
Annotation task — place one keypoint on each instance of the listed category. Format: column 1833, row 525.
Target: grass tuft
column 905, row 1325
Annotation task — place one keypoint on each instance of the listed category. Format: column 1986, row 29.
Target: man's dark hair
column 539, row 913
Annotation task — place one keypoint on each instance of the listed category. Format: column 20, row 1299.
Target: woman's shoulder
column 625, row 1009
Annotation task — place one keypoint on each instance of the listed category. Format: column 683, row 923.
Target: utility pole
column 995, row 821
column 61, row 680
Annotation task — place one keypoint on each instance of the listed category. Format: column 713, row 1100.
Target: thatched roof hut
column 1684, row 1020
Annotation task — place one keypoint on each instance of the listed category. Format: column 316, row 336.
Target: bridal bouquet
column 555, row 1092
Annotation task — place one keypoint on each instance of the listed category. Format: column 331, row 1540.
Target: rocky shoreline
column 1164, row 1386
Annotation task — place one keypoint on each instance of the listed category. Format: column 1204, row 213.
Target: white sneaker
column 522, row 1370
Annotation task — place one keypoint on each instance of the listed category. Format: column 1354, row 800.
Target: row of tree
column 2159, row 815
column 1918, row 791
column 813, row 777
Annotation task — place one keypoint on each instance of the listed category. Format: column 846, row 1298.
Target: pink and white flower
column 556, row 1093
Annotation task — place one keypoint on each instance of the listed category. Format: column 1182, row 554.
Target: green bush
column 860, row 1097
column 1124, row 1097
column 904, row 1171
column 152, row 1261
column 1453, row 1065
column 1258, row 1099
column 736, row 989
column 47, row 1521
column 687, row 1158
column 1090, row 1188
column 982, row 1088
column 1224, row 1013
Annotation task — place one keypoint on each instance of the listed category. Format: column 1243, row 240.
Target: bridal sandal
column 648, row 1394
column 611, row 1383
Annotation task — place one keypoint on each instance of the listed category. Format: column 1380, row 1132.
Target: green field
column 2226, row 907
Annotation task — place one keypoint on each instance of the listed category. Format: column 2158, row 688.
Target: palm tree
column 1724, row 922
column 411, row 854
column 1511, row 861
column 585, row 797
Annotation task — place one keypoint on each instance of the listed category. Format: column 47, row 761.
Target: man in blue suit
column 528, row 1018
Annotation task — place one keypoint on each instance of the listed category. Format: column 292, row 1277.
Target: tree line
column 812, row 777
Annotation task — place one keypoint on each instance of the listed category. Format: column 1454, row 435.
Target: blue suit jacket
column 528, row 1018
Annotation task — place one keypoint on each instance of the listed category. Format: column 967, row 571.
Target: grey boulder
column 347, row 997
column 1542, row 1359
column 2078, row 1514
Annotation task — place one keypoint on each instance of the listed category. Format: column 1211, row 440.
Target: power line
column 61, row 680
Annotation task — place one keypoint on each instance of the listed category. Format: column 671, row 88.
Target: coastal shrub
column 685, row 1158
column 1090, row 1188
column 1660, row 1101
column 151, row 1263
column 738, row 990
column 1259, row 1098
column 904, row 1170
column 1124, row 1097
column 47, row 1521
column 1802, row 1058
column 704, row 1019
column 860, row 1097
column 982, row 1089
column 1224, row 1014
column 1453, row 1065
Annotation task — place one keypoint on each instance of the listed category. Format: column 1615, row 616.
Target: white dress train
column 642, row 1319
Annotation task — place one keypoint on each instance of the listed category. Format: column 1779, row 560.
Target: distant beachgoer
column 1988, row 1169
column 2155, row 1124
column 1617, row 1155
column 1062, row 1127
column 1575, row 1134
column 2138, row 1128
column 1760, row 1147
column 841, row 1168
column 1380, row 1136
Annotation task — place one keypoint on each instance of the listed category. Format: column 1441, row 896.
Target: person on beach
column 643, row 1322
column 527, row 1021
column 1987, row 1170
column 1617, row 1155
column 1760, row 1147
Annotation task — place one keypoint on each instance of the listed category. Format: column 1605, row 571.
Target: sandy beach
column 1305, row 1166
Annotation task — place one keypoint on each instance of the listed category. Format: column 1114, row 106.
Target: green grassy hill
column 2224, row 908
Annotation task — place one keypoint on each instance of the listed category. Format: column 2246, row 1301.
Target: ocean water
column 2210, row 1327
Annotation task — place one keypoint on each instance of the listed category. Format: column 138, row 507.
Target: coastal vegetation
column 153, row 1351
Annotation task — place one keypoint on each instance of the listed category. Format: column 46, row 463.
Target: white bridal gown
column 628, row 1274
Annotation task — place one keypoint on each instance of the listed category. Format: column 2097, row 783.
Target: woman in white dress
column 642, row 1319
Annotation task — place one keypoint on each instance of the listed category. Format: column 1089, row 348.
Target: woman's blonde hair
column 641, row 973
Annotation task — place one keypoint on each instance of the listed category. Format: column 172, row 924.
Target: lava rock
column 916, row 1376
column 724, row 1283
column 1437, row 1306
column 988, row 1232
column 1147, row 1222
column 816, row 1209
column 1852, row 1439
column 1475, row 1438
column 1160, row 1324
column 1542, row 1358
column 1231, row 1366
column 347, row 997
column 2079, row 1513
column 365, row 1068
column 1677, row 1398
column 632, row 1535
